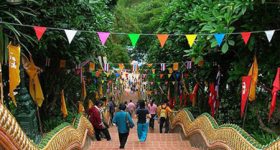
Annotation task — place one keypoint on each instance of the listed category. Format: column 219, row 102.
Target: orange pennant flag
column 150, row 65
column 170, row 70
column 62, row 64
column 175, row 66
column 14, row 62
column 254, row 74
column 121, row 66
column 162, row 39
column 81, row 108
column 84, row 90
column 91, row 66
column 154, row 71
column 63, row 105
column 161, row 76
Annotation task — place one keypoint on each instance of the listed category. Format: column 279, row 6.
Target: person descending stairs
column 154, row 141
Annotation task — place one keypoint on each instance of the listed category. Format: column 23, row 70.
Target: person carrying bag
column 124, row 122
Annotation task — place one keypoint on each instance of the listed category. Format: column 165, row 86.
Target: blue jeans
column 142, row 131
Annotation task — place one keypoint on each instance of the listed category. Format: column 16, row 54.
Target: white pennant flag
column 70, row 34
column 269, row 34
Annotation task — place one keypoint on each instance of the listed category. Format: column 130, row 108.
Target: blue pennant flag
column 177, row 75
column 219, row 38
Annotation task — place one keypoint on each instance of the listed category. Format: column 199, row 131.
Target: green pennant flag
column 153, row 75
column 158, row 83
column 133, row 38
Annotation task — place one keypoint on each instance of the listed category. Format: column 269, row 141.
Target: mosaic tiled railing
column 230, row 135
column 65, row 136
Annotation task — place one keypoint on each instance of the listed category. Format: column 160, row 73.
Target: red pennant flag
column 212, row 98
column 39, row 31
column 161, row 76
column 276, row 88
column 246, row 36
column 246, row 82
column 162, row 39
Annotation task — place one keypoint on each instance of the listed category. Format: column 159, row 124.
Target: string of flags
column 134, row 37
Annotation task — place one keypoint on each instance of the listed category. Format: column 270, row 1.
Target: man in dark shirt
column 142, row 125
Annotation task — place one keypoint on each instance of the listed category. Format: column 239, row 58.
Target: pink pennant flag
column 39, row 31
column 103, row 36
column 246, row 36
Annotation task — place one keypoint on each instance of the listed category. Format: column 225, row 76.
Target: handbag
column 128, row 125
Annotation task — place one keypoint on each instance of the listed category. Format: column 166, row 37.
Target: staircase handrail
column 230, row 134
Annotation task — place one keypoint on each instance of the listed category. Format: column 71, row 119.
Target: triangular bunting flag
column 169, row 75
column 219, row 38
column 162, row 38
column 161, row 76
column 150, row 65
column 103, row 36
column 133, row 38
column 166, row 82
column 70, row 34
column 170, row 70
column 191, row 38
column 158, row 83
column 173, row 82
column 246, row 36
column 39, row 31
column 269, row 34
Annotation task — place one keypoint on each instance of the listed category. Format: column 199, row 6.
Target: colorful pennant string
column 103, row 36
column 70, row 35
column 219, row 38
column 162, row 39
column 246, row 36
column 39, row 31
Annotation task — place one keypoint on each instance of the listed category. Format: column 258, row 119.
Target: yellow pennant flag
column 84, row 90
column 63, row 105
column 169, row 75
column 91, row 66
column 254, row 74
column 35, row 89
column 90, row 104
column 101, row 90
column 191, row 38
column 175, row 66
column 81, row 108
column 14, row 62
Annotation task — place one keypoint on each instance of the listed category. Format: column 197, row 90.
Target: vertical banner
column 276, row 88
column 63, row 107
column 14, row 72
column 91, row 66
column 246, row 82
column 162, row 66
column 175, row 66
column 62, row 63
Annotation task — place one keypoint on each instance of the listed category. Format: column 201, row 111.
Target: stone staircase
column 155, row 141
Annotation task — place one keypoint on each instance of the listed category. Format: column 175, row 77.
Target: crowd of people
column 122, row 117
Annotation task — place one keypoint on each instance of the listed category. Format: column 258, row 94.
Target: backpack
column 163, row 112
